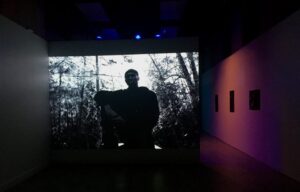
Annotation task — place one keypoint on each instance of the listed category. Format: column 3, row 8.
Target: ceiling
column 120, row 19
column 222, row 26
column 210, row 20
column 124, row 19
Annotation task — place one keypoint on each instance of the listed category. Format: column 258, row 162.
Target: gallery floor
column 220, row 168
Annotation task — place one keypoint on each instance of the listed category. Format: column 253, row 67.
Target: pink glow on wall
column 271, row 64
column 255, row 132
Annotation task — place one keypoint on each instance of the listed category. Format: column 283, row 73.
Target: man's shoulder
column 143, row 89
column 105, row 94
column 146, row 90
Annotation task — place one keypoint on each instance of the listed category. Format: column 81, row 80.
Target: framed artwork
column 254, row 99
column 231, row 101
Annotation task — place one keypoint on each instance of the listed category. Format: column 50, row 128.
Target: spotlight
column 138, row 36
column 98, row 37
column 157, row 36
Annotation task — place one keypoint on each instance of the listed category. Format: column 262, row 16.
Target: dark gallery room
column 161, row 95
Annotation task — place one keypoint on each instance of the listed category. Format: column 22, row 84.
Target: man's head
column 132, row 78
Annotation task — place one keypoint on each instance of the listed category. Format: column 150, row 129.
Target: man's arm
column 102, row 98
column 111, row 114
column 153, row 109
column 108, row 99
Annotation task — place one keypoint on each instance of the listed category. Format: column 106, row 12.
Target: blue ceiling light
column 138, row 36
column 98, row 37
column 157, row 35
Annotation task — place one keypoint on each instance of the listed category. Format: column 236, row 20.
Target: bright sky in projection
column 141, row 63
column 111, row 69
column 108, row 71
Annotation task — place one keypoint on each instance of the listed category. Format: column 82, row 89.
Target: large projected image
column 79, row 120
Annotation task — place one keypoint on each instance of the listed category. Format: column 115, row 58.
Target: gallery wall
column 119, row 47
column 270, row 64
column 24, row 127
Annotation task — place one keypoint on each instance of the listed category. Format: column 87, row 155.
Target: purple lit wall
column 270, row 63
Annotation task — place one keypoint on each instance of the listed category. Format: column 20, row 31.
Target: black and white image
column 76, row 119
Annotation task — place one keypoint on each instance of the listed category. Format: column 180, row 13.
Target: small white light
column 138, row 36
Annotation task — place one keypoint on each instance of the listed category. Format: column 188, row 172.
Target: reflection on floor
column 220, row 168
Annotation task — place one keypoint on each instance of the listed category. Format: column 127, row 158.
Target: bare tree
column 176, row 83
column 97, row 74
column 194, row 71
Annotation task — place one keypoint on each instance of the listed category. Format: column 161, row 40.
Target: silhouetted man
column 133, row 112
